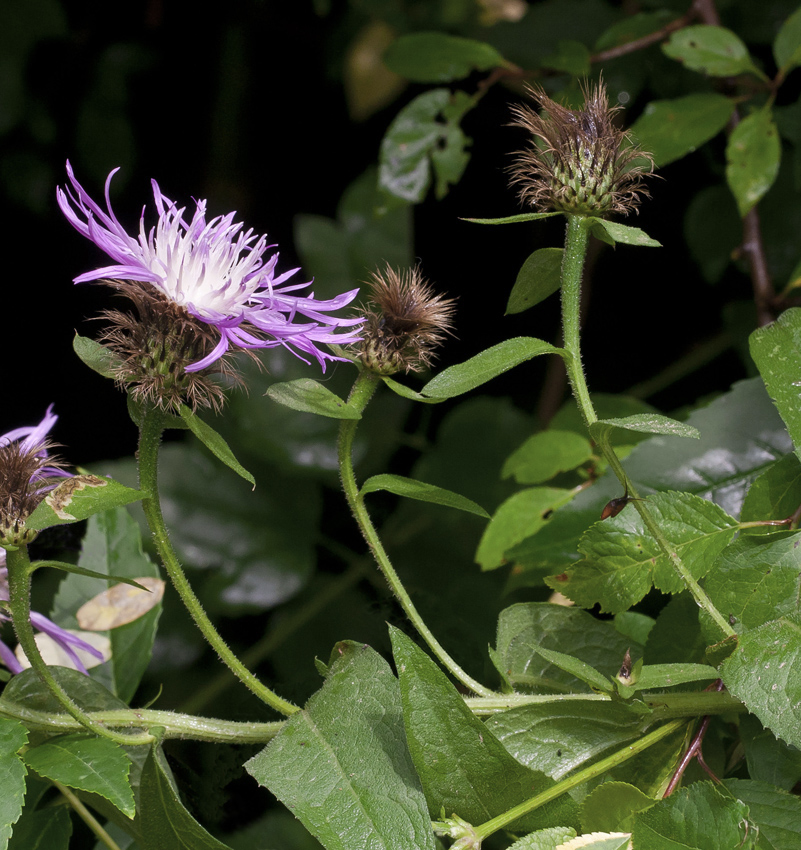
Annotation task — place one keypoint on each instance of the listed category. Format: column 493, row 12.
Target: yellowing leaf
column 600, row 841
column 120, row 604
column 54, row 655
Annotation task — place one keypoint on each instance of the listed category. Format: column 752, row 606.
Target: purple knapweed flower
column 216, row 271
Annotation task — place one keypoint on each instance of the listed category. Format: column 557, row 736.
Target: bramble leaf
column 13, row 737
column 753, row 156
column 712, row 50
column 787, row 44
column 435, row 57
column 776, row 813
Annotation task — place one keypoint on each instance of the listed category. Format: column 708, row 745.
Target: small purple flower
column 216, row 271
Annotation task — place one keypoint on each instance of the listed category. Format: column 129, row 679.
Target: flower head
column 578, row 161
column 405, row 322
column 214, row 274
column 27, row 475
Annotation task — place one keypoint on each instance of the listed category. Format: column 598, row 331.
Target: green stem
column 149, row 440
column 363, row 390
column 20, row 571
column 86, row 816
column 591, row 772
column 572, row 267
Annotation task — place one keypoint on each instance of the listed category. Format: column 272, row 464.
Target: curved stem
column 363, row 390
column 149, row 440
column 20, row 570
column 572, row 266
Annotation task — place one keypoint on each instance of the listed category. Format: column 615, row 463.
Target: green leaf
column 545, row 455
column 214, row 443
column 42, row 829
column 539, row 277
column 576, row 667
column 463, row 768
column 676, row 635
column 776, row 350
column 697, row 817
column 485, row 366
column 645, row 423
column 428, row 125
column 113, row 545
column 670, row 129
column 79, row 498
column 658, row 676
column 526, row 627
column 622, row 561
column 753, row 155
column 610, row 807
column 544, row 839
column 165, row 822
column 787, row 45
column 768, row 759
column 13, row 737
column 406, row 392
column 716, row 51
column 312, row 397
column 520, row 516
column 631, row 28
column 757, row 580
column 434, row 57
column 570, row 57
column 411, row 489
column 776, row 813
column 764, row 673
column 96, row 356
column 612, row 231
column 773, row 496
column 342, row 764
column 559, row 738
column 91, row 764
column 513, row 219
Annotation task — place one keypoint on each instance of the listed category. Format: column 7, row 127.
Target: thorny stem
column 86, row 816
column 149, row 440
column 572, row 267
column 360, row 395
column 20, row 571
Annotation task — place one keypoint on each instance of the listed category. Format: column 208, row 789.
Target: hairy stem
column 20, row 570
column 149, row 440
column 363, row 390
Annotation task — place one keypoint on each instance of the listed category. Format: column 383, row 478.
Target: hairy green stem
column 20, row 571
column 86, row 816
column 363, row 390
column 591, row 772
column 572, row 266
column 149, row 441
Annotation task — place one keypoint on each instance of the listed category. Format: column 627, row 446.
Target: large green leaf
column 13, row 737
column 776, row 813
column 539, row 276
column 710, row 49
column 670, row 129
column 435, row 57
column 113, row 545
column 91, row 764
column 411, row 489
column 485, row 366
column 764, row 673
column 753, row 156
column 342, row 764
column 164, row 821
column 463, row 768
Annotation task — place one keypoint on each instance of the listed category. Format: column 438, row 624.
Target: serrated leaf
column 764, row 673
column 612, row 231
column 539, row 276
column 545, row 455
column 622, row 561
column 599, row 841
column 411, row 489
column 96, row 356
column 645, row 423
column 787, row 45
column 342, row 764
column 427, row 125
column 13, row 737
column 698, row 817
column 165, row 822
column 312, row 397
column 612, row 805
column 79, row 498
column 753, row 156
column 215, row 443
column 435, row 57
column 525, row 627
column 471, row 774
column 91, row 764
column 520, row 516
column 513, row 219
column 776, row 813
column 485, row 366
column 776, row 350
column 670, row 129
column 713, row 50
column 544, row 839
